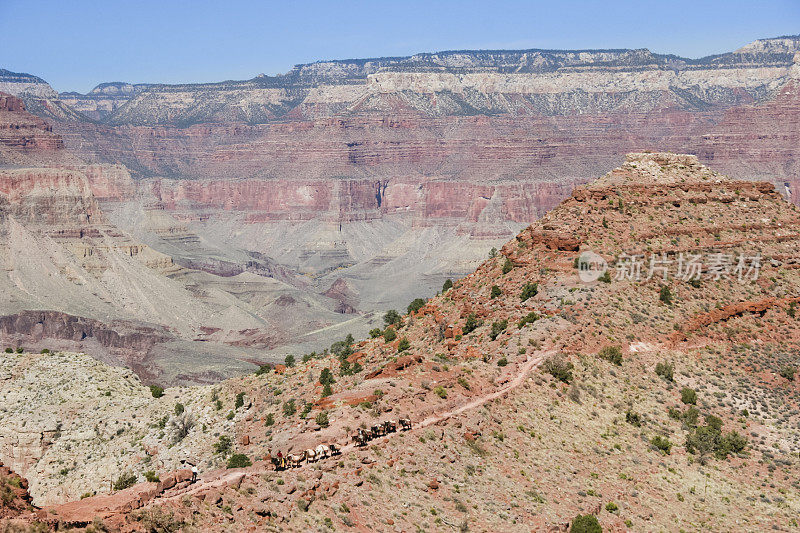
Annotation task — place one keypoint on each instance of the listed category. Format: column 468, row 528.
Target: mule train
column 363, row 436
column 323, row 451
column 311, row 455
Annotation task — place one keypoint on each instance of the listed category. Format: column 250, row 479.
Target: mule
column 294, row 460
column 405, row 424
column 322, row 451
column 311, row 456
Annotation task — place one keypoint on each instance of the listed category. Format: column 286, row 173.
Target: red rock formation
column 14, row 497
column 22, row 131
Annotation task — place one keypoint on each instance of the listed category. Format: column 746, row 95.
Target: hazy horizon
column 84, row 43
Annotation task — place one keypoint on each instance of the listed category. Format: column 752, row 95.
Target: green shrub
column 125, row 480
column 289, row 360
column 156, row 391
column 223, row 445
column 374, row 333
column 403, row 345
column 690, row 417
column 612, row 507
column 322, row 419
column 665, row 370
column 497, row 328
column 309, row 356
column 612, row 354
column 688, row 396
column 289, row 408
column 502, row 361
column 493, row 253
column 326, row 377
column 633, row 418
column 389, row 335
column 20, row 350
column 792, row 311
column 327, row 390
column 392, row 318
column 605, row 277
column 440, row 392
column 238, row 460
column 662, row 443
column 463, row 382
column 179, row 409
column 529, row 290
column 530, row 318
column 471, row 324
column 230, row 415
column 263, row 369
column 788, row 372
column 448, row 284
column 585, row 524
column 665, row 295
column 269, row 419
column 558, row 367
column 507, row 266
column 495, row 292
column 45, row 350
column 415, row 305
column 151, row 476
column 9, row 350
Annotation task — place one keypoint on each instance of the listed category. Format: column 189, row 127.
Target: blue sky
column 76, row 44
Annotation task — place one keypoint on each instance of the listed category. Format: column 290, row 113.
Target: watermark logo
column 591, row 266
column 684, row 266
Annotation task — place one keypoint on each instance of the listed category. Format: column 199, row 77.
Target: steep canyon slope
column 663, row 402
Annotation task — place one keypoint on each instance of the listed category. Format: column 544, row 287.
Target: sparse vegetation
column 788, row 372
column 530, row 318
column 289, row 408
column 238, row 460
column 529, row 290
column 389, row 335
column 495, row 292
column 585, row 524
column 688, row 396
column 665, row 370
column 612, row 354
column 665, row 295
column 471, row 324
column 289, row 360
column 558, row 367
column 392, row 318
column 448, row 284
column 507, row 266
column 156, row 391
column 497, row 328
column 662, row 443
column 322, row 419
column 223, row 446
column 124, row 481
column 403, row 345
column 415, row 305
column 151, row 477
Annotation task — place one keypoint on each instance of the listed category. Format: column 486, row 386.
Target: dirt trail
column 225, row 478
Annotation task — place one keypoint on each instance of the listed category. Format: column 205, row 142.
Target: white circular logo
column 591, row 266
